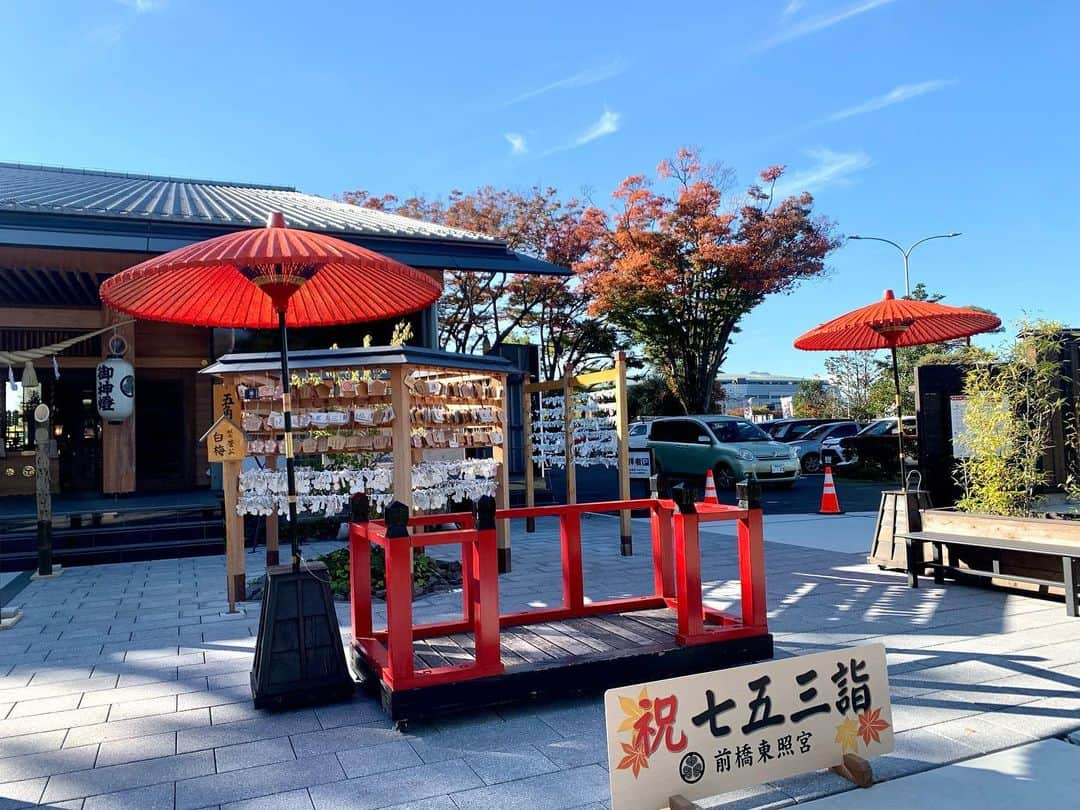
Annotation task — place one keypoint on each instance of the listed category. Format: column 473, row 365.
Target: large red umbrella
column 890, row 323
column 271, row 277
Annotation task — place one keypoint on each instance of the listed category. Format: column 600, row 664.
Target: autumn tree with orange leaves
column 678, row 269
column 480, row 309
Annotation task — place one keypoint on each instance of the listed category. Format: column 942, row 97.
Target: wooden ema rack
column 488, row 658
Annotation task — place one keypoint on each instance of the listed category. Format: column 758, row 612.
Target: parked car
column 789, row 430
column 732, row 448
column 808, row 447
column 637, row 436
column 874, row 445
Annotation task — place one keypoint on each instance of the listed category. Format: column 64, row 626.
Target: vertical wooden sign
column 225, row 443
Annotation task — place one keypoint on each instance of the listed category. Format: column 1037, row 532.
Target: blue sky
column 904, row 117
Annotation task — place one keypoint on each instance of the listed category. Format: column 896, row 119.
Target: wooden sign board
column 702, row 735
column 225, row 402
column 224, row 441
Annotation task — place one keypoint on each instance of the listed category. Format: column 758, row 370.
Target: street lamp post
column 906, row 253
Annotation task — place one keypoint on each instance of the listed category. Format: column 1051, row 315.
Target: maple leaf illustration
column 847, row 734
column 870, row 724
column 635, row 759
column 632, row 709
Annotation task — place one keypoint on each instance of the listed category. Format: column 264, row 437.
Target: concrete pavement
column 126, row 686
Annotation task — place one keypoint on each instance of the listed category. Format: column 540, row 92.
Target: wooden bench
column 1068, row 552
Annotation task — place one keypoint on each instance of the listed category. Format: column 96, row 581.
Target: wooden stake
column 568, row 437
column 530, row 483
column 856, row 770
column 502, row 485
column 234, row 539
column 680, row 803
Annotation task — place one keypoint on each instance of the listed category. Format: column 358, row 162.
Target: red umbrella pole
column 290, row 462
column 899, row 417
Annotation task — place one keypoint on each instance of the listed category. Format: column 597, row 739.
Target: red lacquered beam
column 447, row 538
column 441, row 675
column 712, row 512
column 572, row 578
column 359, row 581
column 688, row 576
column 663, row 553
column 485, row 610
column 752, row 569
column 555, row 614
column 579, row 508
column 722, row 618
column 437, row 629
column 710, row 635
column 399, row 623
column 465, row 519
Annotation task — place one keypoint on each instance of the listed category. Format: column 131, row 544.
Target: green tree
column 852, row 374
column 813, row 400
column 650, row 396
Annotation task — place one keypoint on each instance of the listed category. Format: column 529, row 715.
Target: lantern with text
column 114, row 384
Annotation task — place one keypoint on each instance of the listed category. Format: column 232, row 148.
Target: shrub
column 1008, row 425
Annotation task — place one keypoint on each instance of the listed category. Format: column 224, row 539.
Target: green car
column 732, row 448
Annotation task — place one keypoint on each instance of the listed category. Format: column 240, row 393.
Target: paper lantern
column 115, row 385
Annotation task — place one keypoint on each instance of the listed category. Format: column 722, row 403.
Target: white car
column 638, row 435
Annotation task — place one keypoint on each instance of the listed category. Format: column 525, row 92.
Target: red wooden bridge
column 486, row 657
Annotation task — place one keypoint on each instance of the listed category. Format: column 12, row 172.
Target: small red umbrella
column 891, row 323
column 271, row 277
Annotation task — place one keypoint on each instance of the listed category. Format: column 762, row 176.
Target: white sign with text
column 640, row 463
column 957, row 409
column 702, row 735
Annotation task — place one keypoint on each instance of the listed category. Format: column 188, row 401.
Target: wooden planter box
column 951, row 521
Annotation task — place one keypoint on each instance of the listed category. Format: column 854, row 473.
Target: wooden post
column 626, row 538
column 530, row 483
column 679, row 802
column 273, row 523
column 568, row 437
column 43, row 488
column 118, row 441
column 502, row 487
column 400, row 436
column 856, row 770
column 234, row 541
column 225, row 443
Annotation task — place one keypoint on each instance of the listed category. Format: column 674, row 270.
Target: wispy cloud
column 793, row 7
column 814, row 24
column 581, row 79
column 903, row 92
column 830, row 168
column 518, row 144
column 606, row 124
column 144, row 6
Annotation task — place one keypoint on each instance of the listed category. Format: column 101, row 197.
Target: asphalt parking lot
column 805, row 496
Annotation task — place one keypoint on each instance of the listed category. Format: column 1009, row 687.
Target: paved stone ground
column 126, row 686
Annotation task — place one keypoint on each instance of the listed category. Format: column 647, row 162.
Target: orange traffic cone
column 830, row 504
column 710, row 489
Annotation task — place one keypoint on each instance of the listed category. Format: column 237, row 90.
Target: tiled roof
column 170, row 199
